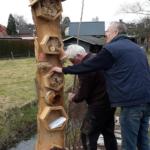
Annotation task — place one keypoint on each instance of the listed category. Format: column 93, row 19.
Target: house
column 3, row 31
column 90, row 35
column 27, row 30
column 90, row 43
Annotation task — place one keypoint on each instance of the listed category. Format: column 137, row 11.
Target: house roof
column 89, row 39
column 16, row 38
column 87, row 28
column 3, row 31
column 10, row 37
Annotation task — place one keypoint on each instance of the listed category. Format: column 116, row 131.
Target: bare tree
column 95, row 19
column 142, row 8
column 64, row 25
column 141, row 30
column 20, row 21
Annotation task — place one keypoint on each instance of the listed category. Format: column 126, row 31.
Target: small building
column 3, row 31
column 90, row 43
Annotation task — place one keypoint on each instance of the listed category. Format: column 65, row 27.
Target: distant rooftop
column 87, row 28
column 89, row 39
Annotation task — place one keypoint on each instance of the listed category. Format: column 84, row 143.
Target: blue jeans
column 134, row 122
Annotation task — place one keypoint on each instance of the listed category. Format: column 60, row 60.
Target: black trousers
column 96, row 122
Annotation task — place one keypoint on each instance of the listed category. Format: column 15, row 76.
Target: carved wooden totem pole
column 51, row 117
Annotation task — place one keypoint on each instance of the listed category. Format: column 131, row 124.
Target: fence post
column 12, row 55
column 29, row 55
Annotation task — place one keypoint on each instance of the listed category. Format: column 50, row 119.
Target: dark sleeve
column 84, row 89
column 102, row 61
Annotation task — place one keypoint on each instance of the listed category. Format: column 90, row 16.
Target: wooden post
column 51, row 117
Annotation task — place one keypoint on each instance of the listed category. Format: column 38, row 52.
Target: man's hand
column 56, row 69
column 70, row 96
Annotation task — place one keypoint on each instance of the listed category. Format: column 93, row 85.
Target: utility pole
column 78, row 34
column 51, row 116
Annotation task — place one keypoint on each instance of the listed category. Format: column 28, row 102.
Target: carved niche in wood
column 54, row 118
column 51, row 44
column 54, row 81
column 47, row 9
column 52, row 98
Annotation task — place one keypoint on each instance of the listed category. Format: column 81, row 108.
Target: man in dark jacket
column 127, row 76
column 99, row 118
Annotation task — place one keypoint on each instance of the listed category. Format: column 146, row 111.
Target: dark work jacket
column 92, row 89
column 126, row 70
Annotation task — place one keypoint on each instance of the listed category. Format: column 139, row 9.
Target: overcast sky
column 105, row 10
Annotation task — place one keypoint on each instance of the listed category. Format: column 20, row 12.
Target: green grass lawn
column 17, row 88
column 16, row 82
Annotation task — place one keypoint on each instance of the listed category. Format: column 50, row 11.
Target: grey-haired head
column 75, row 53
column 115, row 29
column 74, row 49
column 120, row 27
